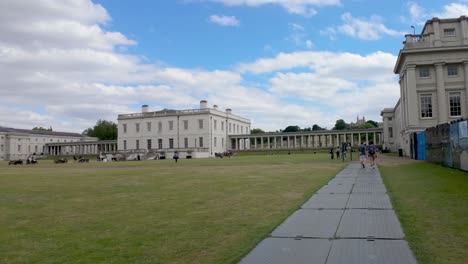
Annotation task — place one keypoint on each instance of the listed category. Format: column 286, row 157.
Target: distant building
column 359, row 121
column 21, row 143
column 433, row 70
column 192, row 133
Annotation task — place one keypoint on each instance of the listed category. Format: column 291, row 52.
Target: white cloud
column 224, row 20
column 301, row 7
column 367, row 29
column 309, row 44
column 453, row 10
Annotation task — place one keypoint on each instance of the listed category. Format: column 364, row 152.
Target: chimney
column 228, row 111
column 144, row 108
column 215, row 107
column 203, row 104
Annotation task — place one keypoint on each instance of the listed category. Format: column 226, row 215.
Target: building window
column 242, row 130
column 230, row 127
column 238, row 129
column 222, row 125
column 426, row 105
column 1, row 147
column 452, row 70
column 389, row 119
column 390, row 132
column 19, row 148
column 222, row 142
column 125, row 144
column 424, row 72
column 200, row 141
column 148, row 126
column 160, row 144
column 148, row 143
column 455, row 104
column 185, row 142
column 124, row 128
column 171, row 125
column 159, row 126
column 215, row 143
column 185, row 124
column 449, row 32
column 137, row 127
column 200, row 123
column 215, row 123
column 171, row 143
column 137, row 143
column 35, row 148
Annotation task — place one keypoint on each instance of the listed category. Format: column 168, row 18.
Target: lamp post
column 414, row 30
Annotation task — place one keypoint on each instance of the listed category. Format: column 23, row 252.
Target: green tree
column 292, row 129
column 372, row 122
column 340, row 125
column 366, row 126
column 256, row 131
column 42, row 128
column 103, row 130
column 316, row 127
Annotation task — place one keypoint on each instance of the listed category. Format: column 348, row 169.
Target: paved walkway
column 349, row 220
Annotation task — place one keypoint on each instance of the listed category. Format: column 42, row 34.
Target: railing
column 418, row 41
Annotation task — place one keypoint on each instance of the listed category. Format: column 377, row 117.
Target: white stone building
column 193, row 133
column 433, row 71
column 22, row 143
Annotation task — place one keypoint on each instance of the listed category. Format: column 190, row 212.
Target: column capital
column 439, row 64
column 410, row 66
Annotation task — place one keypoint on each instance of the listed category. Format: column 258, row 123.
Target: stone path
column 349, row 220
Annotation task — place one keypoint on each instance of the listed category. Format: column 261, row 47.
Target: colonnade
column 81, row 148
column 305, row 140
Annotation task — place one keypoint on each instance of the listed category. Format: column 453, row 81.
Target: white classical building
column 21, row 143
column 192, row 133
column 433, row 71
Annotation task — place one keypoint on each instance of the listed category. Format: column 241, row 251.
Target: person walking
column 331, row 153
column 372, row 152
column 337, row 153
column 362, row 154
column 176, row 156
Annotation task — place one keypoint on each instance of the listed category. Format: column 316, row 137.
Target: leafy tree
column 366, row 125
column 292, row 129
column 340, row 125
column 42, row 128
column 103, row 130
column 256, row 131
column 372, row 122
column 316, row 127
column 307, row 129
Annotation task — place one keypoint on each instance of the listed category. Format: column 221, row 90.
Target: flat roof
column 40, row 132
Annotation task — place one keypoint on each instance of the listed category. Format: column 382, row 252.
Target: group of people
column 364, row 152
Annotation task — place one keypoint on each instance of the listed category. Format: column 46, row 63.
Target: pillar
column 441, row 98
column 367, row 138
column 412, row 100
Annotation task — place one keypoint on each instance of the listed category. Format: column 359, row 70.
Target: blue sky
column 67, row 63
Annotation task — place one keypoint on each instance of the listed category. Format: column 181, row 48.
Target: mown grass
column 195, row 211
column 432, row 204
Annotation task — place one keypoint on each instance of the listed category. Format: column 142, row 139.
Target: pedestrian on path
column 176, row 156
column 362, row 154
column 337, row 153
column 372, row 151
column 331, row 153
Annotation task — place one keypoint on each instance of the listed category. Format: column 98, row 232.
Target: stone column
column 466, row 87
column 352, row 139
column 441, row 98
column 288, row 141
column 367, row 138
column 268, row 143
column 412, row 108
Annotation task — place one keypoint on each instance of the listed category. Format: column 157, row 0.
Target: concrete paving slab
column 362, row 223
column 288, row 250
column 363, row 251
column 369, row 188
column 369, row 179
column 327, row 201
column 369, row 201
column 336, row 188
column 310, row 223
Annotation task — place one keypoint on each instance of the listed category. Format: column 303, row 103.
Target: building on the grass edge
column 433, row 71
column 22, row 143
column 193, row 133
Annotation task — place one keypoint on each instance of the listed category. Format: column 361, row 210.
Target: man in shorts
column 372, row 151
column 362, row 154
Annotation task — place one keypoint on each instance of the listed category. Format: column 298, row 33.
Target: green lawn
column 432, row 204
column 195, row 211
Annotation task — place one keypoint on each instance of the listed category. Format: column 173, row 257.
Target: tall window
column 424, row 72
column 137, row 144
column 185, row 124
column 215, row 143
column 215, row 124
column 452, row 70
column 19, row 148
column 222, row 142
column 185, row 142
column 449, row 32
column 390, row 132
column 230, row 127
column 148, row 143
column 1, row 147
column 159, row 127
column 222, row 125
column 171, row 143
column 200, row 123
column 171, row 125
column 148, row 126
column 426, row 105
column 455, row 104
column 200, row 141
column 160, row 144
column 124, row 128
column 125, row 144
column 137, row 127
column 35, row 148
